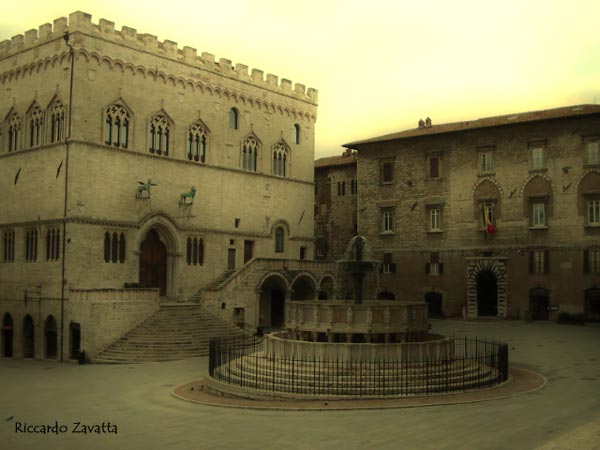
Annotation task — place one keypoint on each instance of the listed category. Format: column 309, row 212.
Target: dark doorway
column 434, row 305
column 231, row 259
column 303, row 289
column 248, row 251
column 539, row 301
column 51, row 337
column 386, row 295
column 153, row 262
column 28, row 337
column 592, row 305
column 487, row 294
column 7, row 336
column 277, row 307
column 75, row 339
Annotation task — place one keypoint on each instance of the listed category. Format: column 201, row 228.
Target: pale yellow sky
column 379, row 65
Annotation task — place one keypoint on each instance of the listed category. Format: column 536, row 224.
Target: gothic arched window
column 57, row 122
column 280, row 157
column 116, row 126
column 159, row 135
column 14, row 132
column 296, row 134
column 250, row 149
column 36, row 121
column 197, row 142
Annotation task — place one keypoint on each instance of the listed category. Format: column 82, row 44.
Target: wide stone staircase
column 175, row 331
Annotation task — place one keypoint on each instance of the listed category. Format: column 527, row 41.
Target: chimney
column 428, row 122
column 421, row 123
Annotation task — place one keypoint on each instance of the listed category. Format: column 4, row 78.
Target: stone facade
column 423, row 193
column 336, row 193
column 102, row 132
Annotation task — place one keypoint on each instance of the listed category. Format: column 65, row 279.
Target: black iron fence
column 241, row 362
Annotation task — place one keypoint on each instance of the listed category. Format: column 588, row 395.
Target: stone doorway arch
column 487, row 296
column 273, row 291
column 153, row 262
column 7, row 336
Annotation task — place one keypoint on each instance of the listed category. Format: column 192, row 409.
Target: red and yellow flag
column 489, row 226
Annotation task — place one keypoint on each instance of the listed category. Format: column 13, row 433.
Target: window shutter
column 586, row 261
column 393, row 267
column 531, row 261
column 441, row 268
column 546, row 261
column 427, row 267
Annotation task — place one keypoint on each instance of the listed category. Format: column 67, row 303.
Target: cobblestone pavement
column 564, row 415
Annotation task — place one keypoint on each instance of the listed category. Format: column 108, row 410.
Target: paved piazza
column 564, row 415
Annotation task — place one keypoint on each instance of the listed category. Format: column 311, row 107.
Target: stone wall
column 458, row 191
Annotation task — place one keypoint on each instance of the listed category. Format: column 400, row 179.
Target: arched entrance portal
column 539, row 300
column 7, row 336
column 487, row 294
column 153, row 262
column 272, row 302
column 51, row 337
column 28, row 337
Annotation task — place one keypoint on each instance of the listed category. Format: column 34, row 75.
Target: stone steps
column 176, row 331
column 374, row 378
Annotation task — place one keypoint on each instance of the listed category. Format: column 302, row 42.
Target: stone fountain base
column 433, row 348
column 341, row 321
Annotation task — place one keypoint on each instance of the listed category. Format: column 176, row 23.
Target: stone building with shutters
column 133, row 172
column 494, row 217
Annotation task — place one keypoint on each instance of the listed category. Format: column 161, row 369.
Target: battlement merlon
column 82, row 22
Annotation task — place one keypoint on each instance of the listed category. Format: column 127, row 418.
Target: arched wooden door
column 153, row 262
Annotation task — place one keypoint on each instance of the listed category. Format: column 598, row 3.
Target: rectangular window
column 591, row 261
column 593, row 216
column 387, row 220
column 486, row 162
column 435, row 218
column 320, row 252
column 592, row 152
column 31, row 241
column 537, row 160
column 434, row 266
column 388, row 265
column 434, row 167
column 539, row 261
column 387, row 172
column 323, row 208
column 538, row 211
column 8, row 246
column 320, row 229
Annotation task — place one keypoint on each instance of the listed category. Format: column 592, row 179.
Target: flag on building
column 487, row 217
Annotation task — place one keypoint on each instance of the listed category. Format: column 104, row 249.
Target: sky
column 379, row 66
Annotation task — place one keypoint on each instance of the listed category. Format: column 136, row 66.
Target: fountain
column 354, row 349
